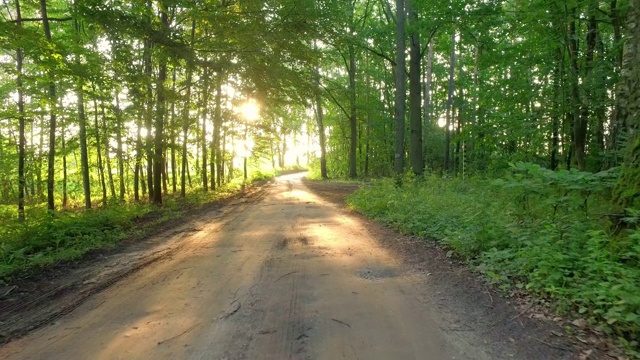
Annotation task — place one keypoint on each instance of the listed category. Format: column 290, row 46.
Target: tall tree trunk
column 137, row 174
column 556, row 111
column 148, row 72
column 580, row 126
column 447, row 139
column 627, row 193
column 160, row 112
column 119, row 152
column 21, row 120
column 576, row 119
column 353, row 138
column 205, row 111
column 400, row 85
column 107, row 148
column 185, row 117
column 415, row 112
column 476, row 96
column 52, row 116
column 618, row 124
column 99, row 150
column 82, row 119
column 39, row 190
column 320, row 122
column 216, row 154
column 174, row 135
column 427, row 92
column 367, row 150
column 65, row 194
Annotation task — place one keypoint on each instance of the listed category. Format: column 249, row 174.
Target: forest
column 505, row 129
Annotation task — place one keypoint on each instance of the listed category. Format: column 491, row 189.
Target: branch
column 69, row 18
column 335, row 100
column 426, row 45
column 378, row 53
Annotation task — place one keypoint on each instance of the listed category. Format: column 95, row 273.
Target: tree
column 627, row 194
column 400, row 85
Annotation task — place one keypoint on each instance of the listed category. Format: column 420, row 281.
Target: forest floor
column 284, row 272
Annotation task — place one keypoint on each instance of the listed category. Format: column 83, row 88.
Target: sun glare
column 250, row 110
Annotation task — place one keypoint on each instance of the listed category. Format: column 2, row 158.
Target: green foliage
column 534, row 229
column 48, row 238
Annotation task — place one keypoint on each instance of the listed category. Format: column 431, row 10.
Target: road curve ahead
column 285, row 275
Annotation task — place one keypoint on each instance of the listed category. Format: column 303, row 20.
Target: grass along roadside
column 46, row 239
column 527, row 231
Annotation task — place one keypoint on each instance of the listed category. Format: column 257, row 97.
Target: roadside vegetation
column 550, row 233
column 46, row 238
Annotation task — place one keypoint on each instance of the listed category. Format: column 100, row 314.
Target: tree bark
column 627, row 193
column 203, row 138
column 217, row 130
column 99, row 150
column 119, row 152
column 320, row 122
column 82, row 119
column 148, row 72
column 427, row 93
column 400, row 86
column 353, row 137
column 107, row 148
column 158, row 161
column 52, row 116
column 65, row 195
column 21, row 120
column 185, row 117
column 415, row 119
column 447, row 139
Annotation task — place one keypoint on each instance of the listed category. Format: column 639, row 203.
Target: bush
column 535, row 229
column 46, row 238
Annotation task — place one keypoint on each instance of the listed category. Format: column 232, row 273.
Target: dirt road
column 287, row 275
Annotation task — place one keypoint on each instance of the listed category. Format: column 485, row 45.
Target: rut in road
column 290, row 276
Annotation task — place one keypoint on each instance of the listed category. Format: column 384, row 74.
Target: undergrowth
column 535, row 229
column 47, row 238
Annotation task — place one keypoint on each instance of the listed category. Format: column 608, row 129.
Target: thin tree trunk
column 21, row 120
column 148, row 72
column 185, row 118
column 626, row 193
column 160, row 113
column 353, row 138
column 576, row 121
column 367, row 150
column 99, row 151
column 427, row 93
column 415, row 112
column 39, row 188
column 203, row 138
column 137, row 174
column 400, row 85
column 320, row 123
column 119, row 152
column 555, row 116
column 476, row 96
column 215, row 142
column 107, row 147
column 65, row 195
column 52, row 116
column 174, row 134
column 82, row 119
column 447, row 140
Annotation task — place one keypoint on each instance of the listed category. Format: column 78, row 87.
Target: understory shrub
column 536, row 229
column 46, row 238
